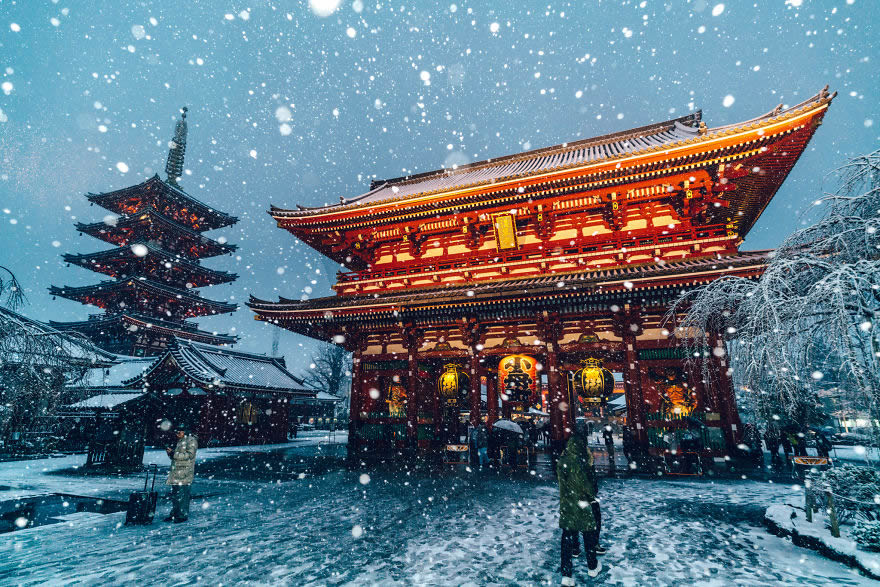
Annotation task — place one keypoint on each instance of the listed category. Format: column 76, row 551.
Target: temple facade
column 155, row 268
column 527, row 282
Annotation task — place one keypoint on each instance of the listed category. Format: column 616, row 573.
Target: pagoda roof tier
column 148, row 225
column 746, row 164
column 632, row 284
column 157, row 264
column 144, row 295
column 124, row 321
column 169, row 200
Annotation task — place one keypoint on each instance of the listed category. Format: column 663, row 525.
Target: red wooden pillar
column 724, row 393
column 628, row 328
column 355, row 403
column 472, row 335
column 491, row 398
column 413, row 391
column 560, row 403
column 412, row 338
column 561, row 410
column 475, row 377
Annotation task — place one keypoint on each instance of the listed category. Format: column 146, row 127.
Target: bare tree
column 329, row 370
column 813, row 311
column 10, row 290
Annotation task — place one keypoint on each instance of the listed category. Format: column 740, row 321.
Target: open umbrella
column 535, row 412
column 508, row 425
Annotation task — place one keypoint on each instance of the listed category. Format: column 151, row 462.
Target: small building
column 319, row 411
column 225, row 397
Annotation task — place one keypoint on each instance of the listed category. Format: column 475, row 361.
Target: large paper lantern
column 517, row 377
column 593, row 383
column 453, row 381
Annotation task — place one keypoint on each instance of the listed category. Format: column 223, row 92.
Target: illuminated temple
column 514, row 278
column 154, row 270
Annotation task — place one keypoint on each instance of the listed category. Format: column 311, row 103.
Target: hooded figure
column 577, row 492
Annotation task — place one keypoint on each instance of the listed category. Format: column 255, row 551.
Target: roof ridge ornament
column 177, row 150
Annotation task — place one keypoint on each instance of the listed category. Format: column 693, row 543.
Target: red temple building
column 538, row 276
column 155, row 268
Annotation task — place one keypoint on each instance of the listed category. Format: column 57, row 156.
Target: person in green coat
column 577, row 491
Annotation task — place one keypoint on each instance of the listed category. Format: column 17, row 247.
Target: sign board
column 457, row 447
column 505, row 232
column 811, row 461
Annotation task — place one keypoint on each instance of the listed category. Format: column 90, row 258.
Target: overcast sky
column 289, row 105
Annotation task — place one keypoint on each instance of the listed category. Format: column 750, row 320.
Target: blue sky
column 288, row 106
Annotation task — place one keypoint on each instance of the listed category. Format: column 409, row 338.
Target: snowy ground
column 262, row 523
column 22, row 479
column 791, row 519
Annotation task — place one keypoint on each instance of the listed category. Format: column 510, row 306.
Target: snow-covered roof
column 116, row 375
column 211, row 365
column 106, row 400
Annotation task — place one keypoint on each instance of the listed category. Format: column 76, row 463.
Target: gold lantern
column 594, row 383
column 452, row 382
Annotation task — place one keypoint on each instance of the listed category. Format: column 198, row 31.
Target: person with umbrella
column 577, row 492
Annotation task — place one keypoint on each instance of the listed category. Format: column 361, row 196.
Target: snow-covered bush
column 812, row 313
column 867, row 533
column 856, row 489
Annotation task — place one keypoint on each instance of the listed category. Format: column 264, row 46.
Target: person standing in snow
column 182, row 473
column 608, row 437
column 823, row 445
column 577, row 493
column 482, row 444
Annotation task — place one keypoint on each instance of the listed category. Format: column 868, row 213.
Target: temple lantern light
column 517, row 378
column 452, row 382
column 593, row 383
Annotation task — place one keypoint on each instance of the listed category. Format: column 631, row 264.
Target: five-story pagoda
column 154, row 269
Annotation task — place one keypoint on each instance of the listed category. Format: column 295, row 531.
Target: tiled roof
column 213, row 218
column 126, row 255
column 96, row 229
column 607, row 148
column 221, row 367
column 106, row 400
column 116, row 376
column 531, row 162
column 186, row 297
column 585, row 283
column 184, row 328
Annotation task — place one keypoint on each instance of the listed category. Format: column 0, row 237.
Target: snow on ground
column 22, row 479
column 819, row 530
column 267, row 525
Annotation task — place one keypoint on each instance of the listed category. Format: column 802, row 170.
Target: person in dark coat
column 628, row 442
column 608, row 437
column 577, row 491
column 823, row 445
column 785, row 441
column 773, row 440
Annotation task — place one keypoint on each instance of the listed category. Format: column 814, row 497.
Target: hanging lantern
column 517, row 378
column 593, row 383
column 452, row 382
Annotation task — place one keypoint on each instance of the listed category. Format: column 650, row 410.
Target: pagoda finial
column 177, row 150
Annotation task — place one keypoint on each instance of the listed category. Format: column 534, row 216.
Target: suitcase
column 142, row 504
